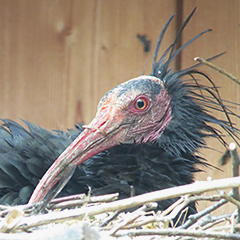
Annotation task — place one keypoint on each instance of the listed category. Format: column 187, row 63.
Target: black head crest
column 192, row 102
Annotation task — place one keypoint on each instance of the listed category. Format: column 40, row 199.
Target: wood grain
column 107, row 51
column 223, row 17
column 34, row 60
column 58, row 58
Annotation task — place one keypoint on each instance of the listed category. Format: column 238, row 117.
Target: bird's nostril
column 95, row 128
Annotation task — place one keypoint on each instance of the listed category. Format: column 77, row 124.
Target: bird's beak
column 101, row 134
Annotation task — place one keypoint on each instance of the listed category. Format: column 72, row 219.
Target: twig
column 147, row 220
column 25, row 208
column 230, row 199
column 173, row 206
column 64, row 202
column 134, row 215
column 225, row 198
column 108, row 220
column 205, row 197
column 226, row 227
column 4, row 207
column 234, row 156
column 178, row 232
column 78, row 202
column 223, row 71
column 119, row 205
column 68, row 198
column 209, row 225
column 209, row 219
column 235, row 169
column 193, row 218
column 10, row 221
column 233, row 221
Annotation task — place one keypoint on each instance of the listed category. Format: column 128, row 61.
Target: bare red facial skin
column 118, row 120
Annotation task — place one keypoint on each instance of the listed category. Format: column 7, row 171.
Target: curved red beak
column 99, row 135
column 118, row 120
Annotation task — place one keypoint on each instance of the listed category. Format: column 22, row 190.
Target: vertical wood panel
column 57, row 54
column 110, row 46
column 223, row 17
column 34, row 60
column 81, row 62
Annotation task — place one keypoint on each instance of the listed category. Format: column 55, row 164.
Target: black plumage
column 26, row 156
column 166, row 160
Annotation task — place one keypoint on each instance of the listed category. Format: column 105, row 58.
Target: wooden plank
column 79, row 102
column 34, row 60
column 223, row 17
column 59, row 57
column 109, row 52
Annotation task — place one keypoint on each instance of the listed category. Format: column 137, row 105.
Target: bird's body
column 27, row 154
column 147, row 133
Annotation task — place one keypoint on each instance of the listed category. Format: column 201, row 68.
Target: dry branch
column 218, row 69
column 235, row 169
column 178, row 232
column 195, row 188
column 67, row 202
column 93, row 206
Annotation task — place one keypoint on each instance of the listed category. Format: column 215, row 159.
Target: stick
column 194, row 188
column 178, row 232
column 235, row 169
column 193, row 218
column 223, row 71
column 68, row 202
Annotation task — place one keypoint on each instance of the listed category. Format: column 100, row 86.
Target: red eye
column 141, row 103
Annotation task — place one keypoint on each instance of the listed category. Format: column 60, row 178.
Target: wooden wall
column 224, row 18
column 58, row 57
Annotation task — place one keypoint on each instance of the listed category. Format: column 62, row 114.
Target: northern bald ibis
column 147, row 133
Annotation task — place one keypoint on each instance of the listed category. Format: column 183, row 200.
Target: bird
column 147, row 134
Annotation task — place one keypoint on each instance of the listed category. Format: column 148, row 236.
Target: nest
column 86, row 217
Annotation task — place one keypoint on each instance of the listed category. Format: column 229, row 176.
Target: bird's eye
column 141, row 103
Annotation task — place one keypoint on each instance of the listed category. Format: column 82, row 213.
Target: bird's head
column 134, row 112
